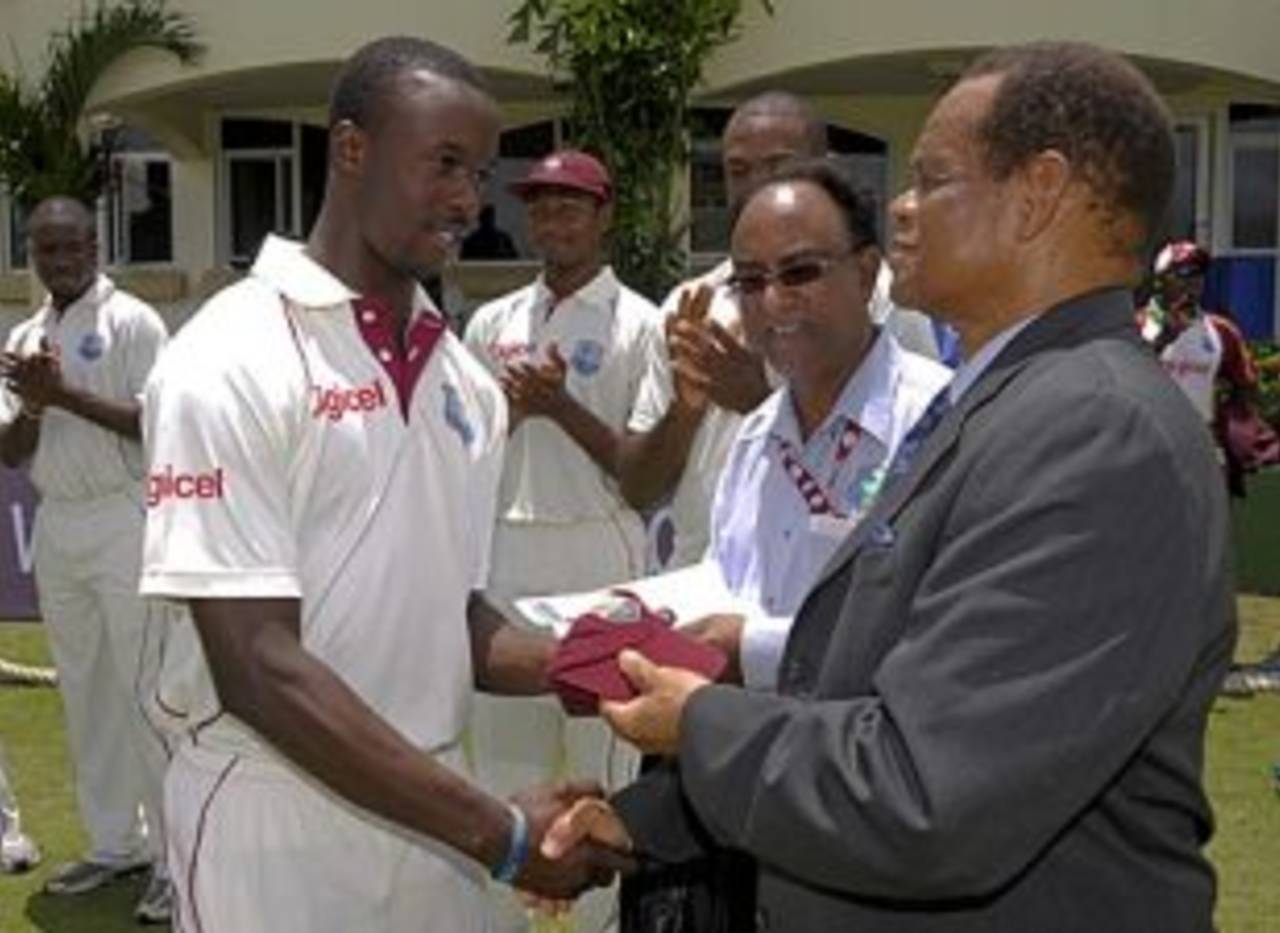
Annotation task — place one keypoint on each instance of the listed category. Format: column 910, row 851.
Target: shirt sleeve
column 147, row 337
column 484, row 488
column 478, row 335
column 654, row 386
column 657, row 385
column 218, row 495
column 1236, row 368
column 764, row 638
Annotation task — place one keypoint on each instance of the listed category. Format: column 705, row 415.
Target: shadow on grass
column 107, row 910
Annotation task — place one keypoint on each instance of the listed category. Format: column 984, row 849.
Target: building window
column 139, row 200
column 273, row 177
column 708, row 207
column 1255, row 177
column 1188, row 215
column 15, row 235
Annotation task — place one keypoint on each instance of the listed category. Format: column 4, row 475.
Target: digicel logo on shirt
column 334, row 403
column 167, row 484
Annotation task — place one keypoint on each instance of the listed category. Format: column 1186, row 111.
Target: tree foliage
column 629, row 67
column 41, row 148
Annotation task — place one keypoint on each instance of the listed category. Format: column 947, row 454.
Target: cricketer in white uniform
column 324, row 459
column 74, row 374
column 572, row 350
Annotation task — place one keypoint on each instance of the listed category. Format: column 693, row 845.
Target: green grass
column 1244, row 740
column 31, row 728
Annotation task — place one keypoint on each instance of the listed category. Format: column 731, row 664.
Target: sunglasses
column 751, row 283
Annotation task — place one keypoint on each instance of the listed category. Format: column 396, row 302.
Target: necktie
column 919, row 433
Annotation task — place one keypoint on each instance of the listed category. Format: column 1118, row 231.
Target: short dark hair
column 369, row 74
column 856, row 210
column 1094, row 107
column 786, row 104
column 66, row 209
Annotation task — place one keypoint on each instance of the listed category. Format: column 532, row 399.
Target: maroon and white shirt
column 295, row 452
column 1192, row 359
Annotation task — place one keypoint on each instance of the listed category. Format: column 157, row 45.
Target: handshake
column 575, row 841
column 565, row 838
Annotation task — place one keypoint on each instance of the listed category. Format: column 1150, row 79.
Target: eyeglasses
column 798, row 273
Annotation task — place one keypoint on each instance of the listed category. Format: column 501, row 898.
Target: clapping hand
column 35, row 378
column 537, row 389
column 683, row 332
column 709, row 362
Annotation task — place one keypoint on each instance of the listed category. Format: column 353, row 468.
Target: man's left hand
column 724, row 632
column 538, row 389
column 651, row 721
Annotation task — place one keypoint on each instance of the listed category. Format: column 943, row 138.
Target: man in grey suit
column 992, row 706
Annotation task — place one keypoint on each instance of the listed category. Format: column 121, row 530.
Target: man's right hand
column 684, row 333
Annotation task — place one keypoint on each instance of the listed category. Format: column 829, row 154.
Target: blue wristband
column 517, row 848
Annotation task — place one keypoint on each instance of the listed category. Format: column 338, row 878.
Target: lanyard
column 816, row 498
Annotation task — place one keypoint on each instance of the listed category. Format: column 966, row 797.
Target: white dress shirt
column 767, row 538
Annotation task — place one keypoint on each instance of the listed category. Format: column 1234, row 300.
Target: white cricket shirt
column 107, row 342
column 1192, row 359
column 294, row 453
column 611, row 340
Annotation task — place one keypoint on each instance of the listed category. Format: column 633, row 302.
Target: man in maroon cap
column 571, row 349
column 1202, row 351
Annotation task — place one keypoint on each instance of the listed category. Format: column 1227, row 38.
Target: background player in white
column 74, row 372
column 324, row 458
column 571, row 351
column 808, row 463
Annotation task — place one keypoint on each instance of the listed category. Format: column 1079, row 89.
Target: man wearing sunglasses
column 808, row 463
column 688, row 414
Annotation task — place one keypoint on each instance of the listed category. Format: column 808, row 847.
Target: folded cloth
column 584, row 670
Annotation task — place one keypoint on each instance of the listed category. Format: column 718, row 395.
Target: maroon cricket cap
column 567, row 168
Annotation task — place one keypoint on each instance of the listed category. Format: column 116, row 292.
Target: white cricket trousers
column 258, row 847
column 87, row 558
column 517, row 742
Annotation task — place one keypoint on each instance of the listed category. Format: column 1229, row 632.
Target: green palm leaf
column 41, row 152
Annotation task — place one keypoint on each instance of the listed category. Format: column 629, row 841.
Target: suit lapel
column 1088, row 317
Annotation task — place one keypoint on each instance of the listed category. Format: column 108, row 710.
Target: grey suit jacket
column 992, row 705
